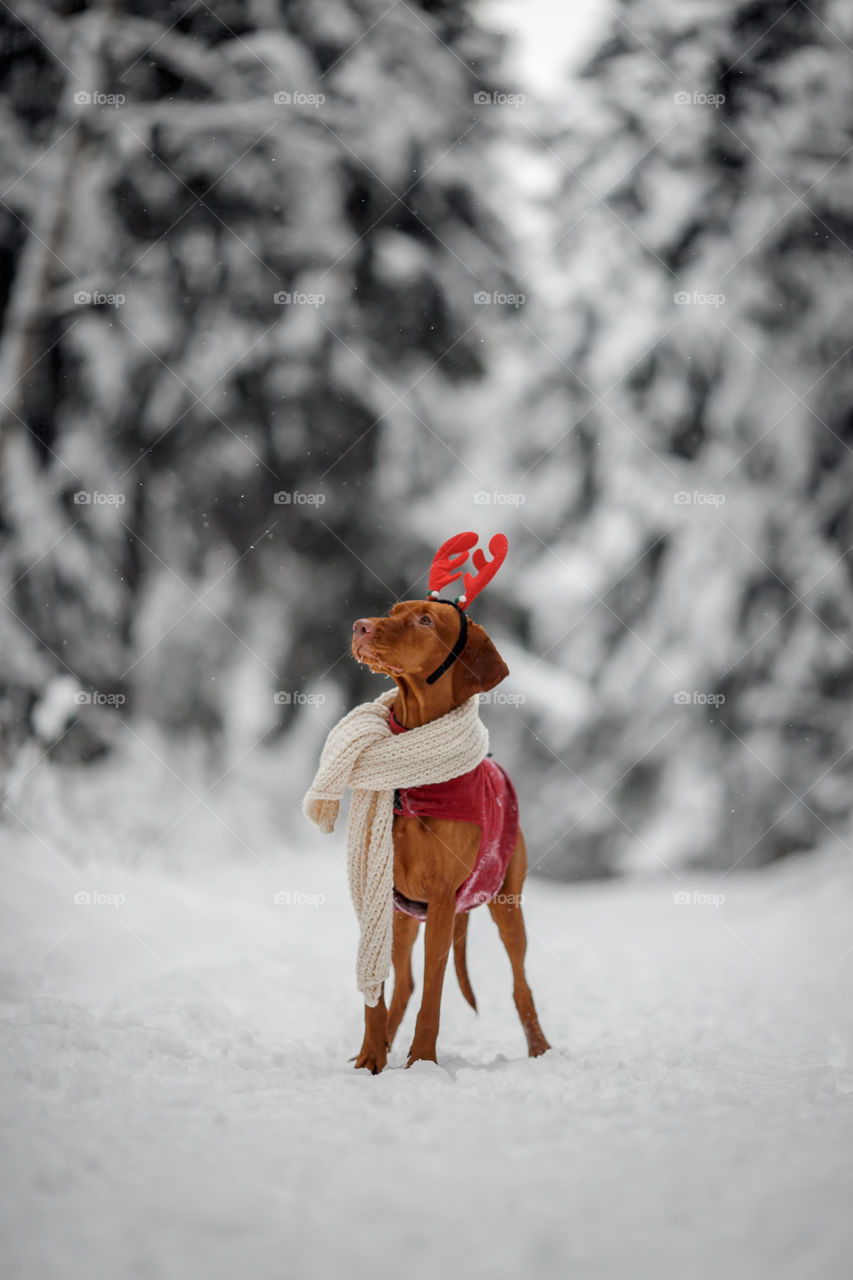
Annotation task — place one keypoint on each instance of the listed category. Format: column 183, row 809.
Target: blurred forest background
column 291, row 291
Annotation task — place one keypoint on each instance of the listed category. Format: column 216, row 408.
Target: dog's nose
column 362, row 627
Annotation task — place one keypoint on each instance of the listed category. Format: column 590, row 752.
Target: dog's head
column 416, row 636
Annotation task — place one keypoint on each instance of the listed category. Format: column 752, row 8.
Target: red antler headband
column 452, row 555
column 447, row 567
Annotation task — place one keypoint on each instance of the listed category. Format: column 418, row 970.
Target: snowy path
column 177, row 1100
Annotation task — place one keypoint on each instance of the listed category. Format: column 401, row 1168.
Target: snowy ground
column 177, row 1099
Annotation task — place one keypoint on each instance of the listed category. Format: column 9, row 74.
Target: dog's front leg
column 374, row 1049
column 438, row 940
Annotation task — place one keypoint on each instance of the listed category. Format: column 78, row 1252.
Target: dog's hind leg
column 506, row 913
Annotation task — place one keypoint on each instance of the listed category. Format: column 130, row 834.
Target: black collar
column 457, row 648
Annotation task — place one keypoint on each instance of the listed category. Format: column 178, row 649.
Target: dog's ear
column 479, row 666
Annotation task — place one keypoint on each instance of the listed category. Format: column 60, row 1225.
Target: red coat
column 484, row 796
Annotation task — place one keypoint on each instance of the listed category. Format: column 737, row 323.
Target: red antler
column 449, row 559
column 486, row 569
column 452, row 555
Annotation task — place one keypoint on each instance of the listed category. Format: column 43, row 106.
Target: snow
column 547, row 39
column 178, row 1101
column 56, row 707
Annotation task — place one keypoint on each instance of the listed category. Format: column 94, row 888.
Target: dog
column 437, row 857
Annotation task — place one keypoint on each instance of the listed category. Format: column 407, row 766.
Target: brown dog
column 434, row 856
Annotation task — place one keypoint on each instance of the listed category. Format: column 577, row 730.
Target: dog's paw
column 421, row 1055
column 371, row 1058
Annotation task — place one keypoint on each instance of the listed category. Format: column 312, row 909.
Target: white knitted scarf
column 362, row 753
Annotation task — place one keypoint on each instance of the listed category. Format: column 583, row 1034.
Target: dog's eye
column 425, row 620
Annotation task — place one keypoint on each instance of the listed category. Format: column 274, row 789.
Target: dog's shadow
column 451, row 1064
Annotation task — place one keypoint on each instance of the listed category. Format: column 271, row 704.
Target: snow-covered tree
column 687, row 460
column 241, row 247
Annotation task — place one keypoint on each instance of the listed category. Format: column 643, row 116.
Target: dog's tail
column 460, row 934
